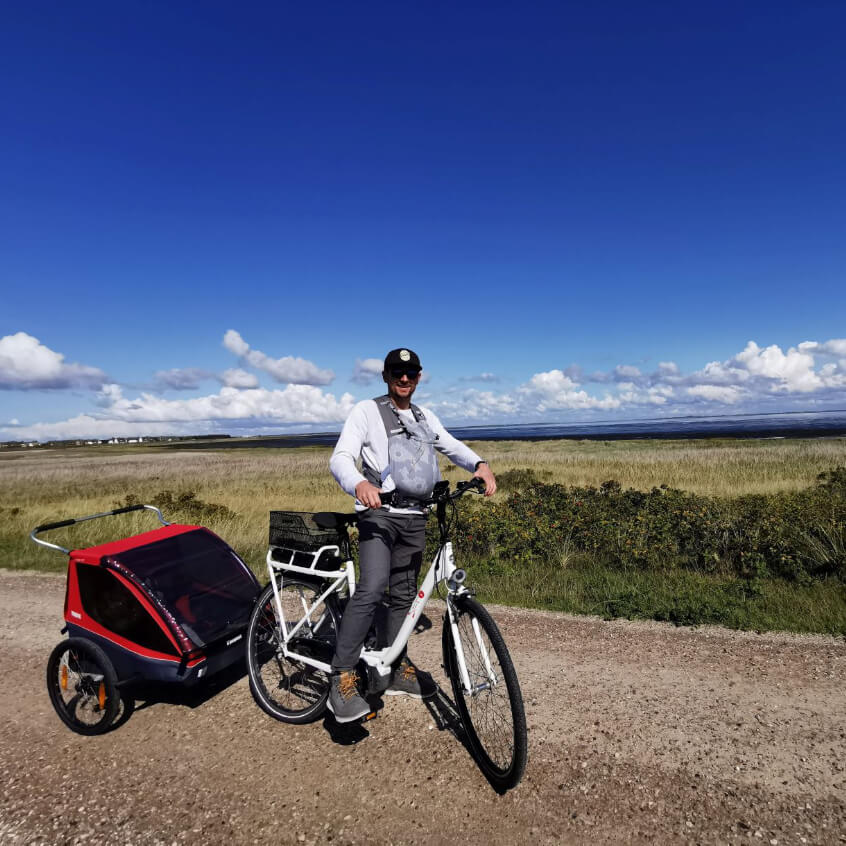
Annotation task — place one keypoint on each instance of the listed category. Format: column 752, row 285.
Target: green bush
column 182, row 507
column 799, row 537
column 518, row 478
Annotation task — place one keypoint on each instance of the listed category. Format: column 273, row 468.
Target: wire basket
column 297, row 530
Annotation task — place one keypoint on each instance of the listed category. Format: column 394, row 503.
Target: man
column 395, row 441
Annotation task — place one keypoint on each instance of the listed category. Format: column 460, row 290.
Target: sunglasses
column 399, row 372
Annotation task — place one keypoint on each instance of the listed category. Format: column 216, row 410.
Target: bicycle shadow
column 348, row 734
column 445, row 714
column 442, row 709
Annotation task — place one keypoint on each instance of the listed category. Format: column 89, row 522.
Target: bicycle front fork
column 477, row 647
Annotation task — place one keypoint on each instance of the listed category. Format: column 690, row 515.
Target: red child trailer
column 170, row 605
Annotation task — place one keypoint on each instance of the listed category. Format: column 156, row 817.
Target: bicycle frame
column 338, row 577
column 442, row 569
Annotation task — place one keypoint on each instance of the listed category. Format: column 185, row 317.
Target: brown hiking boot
column 345, row 702
column 407, row 680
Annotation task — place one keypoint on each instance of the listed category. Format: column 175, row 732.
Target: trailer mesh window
column 199, row 579
column 111, row 604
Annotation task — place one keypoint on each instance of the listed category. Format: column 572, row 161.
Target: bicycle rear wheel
column 492, row 710
column 288, row 689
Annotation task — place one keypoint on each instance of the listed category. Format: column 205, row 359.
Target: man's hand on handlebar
column 483, row 482
column 368, row 495
column 484, row 473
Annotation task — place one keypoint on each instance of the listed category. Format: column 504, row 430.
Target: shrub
column 519, row 478
column 798, row 536
column 182, row 506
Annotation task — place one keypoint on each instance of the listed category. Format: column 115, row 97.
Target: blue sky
column 215, row 218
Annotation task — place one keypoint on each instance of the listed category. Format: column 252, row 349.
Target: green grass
column 677, row 596
column 50, row 485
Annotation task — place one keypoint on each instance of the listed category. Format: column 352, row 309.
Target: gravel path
column 638, row 733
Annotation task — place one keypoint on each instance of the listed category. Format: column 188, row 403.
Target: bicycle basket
column 297, row 530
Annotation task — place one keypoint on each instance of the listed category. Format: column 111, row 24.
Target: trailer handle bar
column 46, row 527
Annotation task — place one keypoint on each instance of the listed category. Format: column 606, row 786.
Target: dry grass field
column 718, row 467
column 48, row 485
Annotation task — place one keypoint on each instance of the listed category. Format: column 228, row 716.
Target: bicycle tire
column 286, row 689
column 493, row 717
column 82, row 684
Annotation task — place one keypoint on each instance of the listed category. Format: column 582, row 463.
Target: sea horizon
column 785, row 424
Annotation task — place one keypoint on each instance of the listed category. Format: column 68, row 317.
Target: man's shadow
column 348, row 734
column 441, row 706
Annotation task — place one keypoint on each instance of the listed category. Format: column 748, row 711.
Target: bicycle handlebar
column 441, row 493
column 440, row 497
column 475, row 484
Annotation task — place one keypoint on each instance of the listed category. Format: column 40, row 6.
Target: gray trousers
column 390, row 555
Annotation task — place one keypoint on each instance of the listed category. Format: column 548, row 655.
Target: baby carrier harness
column 412, row 462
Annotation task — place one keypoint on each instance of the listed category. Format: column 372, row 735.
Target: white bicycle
column 292, row 631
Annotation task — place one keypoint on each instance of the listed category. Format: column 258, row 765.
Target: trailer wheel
column 82, row 685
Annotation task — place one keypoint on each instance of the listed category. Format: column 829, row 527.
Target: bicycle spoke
column 286, row 687
column 492, row 709
column 488, row 703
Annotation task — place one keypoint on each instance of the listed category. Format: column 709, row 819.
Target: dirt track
column 637, row 733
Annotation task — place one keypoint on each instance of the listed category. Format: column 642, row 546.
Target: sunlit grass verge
column 679, row 597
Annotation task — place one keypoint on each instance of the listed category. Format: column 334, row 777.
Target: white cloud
column 235, row 377
column 297, row 371
column 109, row 394
column 756, row 377
column 835, row 347
column 300, row 405
column 749, row 379
column 551, row 382
column 757, row 372
column 189, row 378
column 631, row 394
column 26, row 364
column 626, row 373
column 729, row 394
column 233, row 341
column 474, row 405
column 791, row 371
column 181, row 378
column 480, row 377
column 367, row 370
column 294, row 404
column 555, row 390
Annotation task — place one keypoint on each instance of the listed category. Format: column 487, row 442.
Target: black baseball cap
column 402, row 357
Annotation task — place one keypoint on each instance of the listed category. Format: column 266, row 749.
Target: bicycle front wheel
column 286, row 688
column 492, row 708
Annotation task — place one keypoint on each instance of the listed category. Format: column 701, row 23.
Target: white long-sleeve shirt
column 364, row 436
